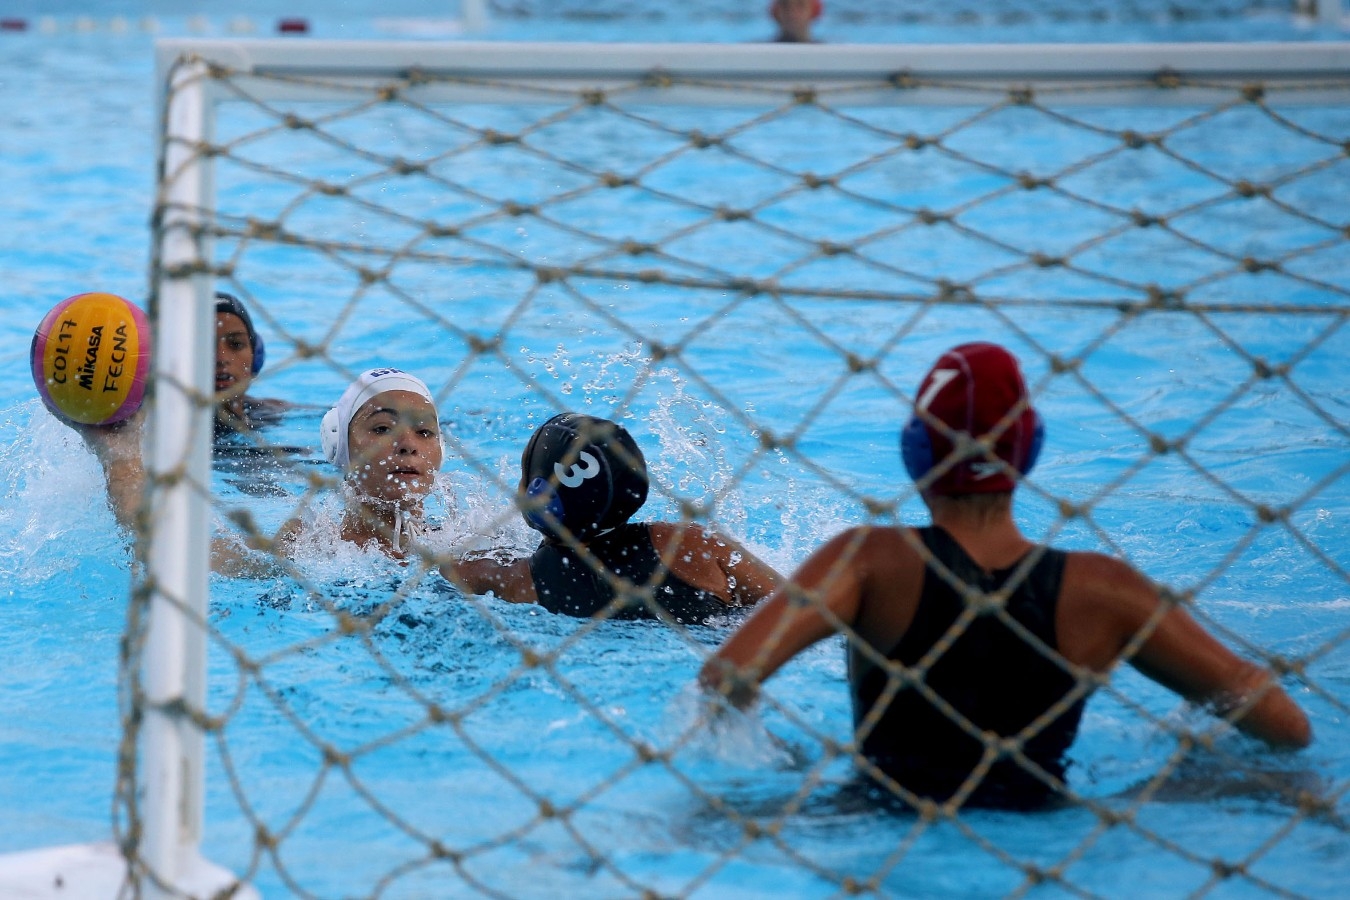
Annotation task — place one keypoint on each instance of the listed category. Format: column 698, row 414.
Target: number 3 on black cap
column 574, row 475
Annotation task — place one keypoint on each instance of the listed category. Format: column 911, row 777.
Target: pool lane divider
column 474, row 18
column 148, row 25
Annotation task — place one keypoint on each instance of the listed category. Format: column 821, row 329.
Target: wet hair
column 973, row 392
column 582, row 476
column 229, row 303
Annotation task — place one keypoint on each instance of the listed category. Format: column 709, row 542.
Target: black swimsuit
column 566, row 583
column 989, row 674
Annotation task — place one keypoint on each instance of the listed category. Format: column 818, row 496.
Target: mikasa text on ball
column 90, row 358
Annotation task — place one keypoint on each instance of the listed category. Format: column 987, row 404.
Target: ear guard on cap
column 1034, row 450
column 544, row 511
column 328, row 434
column 916, row 447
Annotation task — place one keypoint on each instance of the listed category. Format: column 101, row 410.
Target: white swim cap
column 333, row 430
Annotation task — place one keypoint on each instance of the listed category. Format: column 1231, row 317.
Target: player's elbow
column 465, row 576
column 1297, row 733
column 1290, row 732
column 715, row 674
column 1264, row 710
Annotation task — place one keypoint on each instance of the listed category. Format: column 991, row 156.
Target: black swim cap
column 582, row 474
column 229, row 303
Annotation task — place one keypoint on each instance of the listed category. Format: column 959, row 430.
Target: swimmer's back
column 986, row 673
column 1107, row 613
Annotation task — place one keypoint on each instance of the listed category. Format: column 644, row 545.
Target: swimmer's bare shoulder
column 269, row 405
column 509, row 581
column 1108, row 611
column 261, row 412
column 869, row 578
column 714, row 562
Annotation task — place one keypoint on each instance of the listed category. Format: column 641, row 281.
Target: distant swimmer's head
column 794, row 18
column 974, row 393
column 581, row 474
column 807, row 10
column 236, row 338
column 385, row 436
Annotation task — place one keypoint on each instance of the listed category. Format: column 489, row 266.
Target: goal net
column 748, row 255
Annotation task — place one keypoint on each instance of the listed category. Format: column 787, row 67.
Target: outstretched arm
column 714, row 562
column 119, row 451
column 1184, row 657
column 1173, row 649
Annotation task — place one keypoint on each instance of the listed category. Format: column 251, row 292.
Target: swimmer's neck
column 387, row 525
column 983, row 526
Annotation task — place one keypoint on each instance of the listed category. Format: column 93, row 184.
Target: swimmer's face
column 793, row 15
column 395, row 445
column 234, row 357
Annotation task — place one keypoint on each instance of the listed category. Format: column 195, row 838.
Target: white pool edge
column 98, row 871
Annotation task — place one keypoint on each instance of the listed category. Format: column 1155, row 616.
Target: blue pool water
column 76, row 121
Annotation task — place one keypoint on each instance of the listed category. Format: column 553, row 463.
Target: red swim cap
column 976, row 391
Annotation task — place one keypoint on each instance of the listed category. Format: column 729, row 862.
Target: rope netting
column 754, row 284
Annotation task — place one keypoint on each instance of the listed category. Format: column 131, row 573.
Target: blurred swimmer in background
column 795, row 19
column 240, row 355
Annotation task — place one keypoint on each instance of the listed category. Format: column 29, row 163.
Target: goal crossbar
column 675, row 72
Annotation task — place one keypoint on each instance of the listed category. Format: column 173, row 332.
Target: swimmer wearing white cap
column 384, row 436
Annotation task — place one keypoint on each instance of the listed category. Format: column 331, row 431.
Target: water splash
column 54, row 499
column 712, row 730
